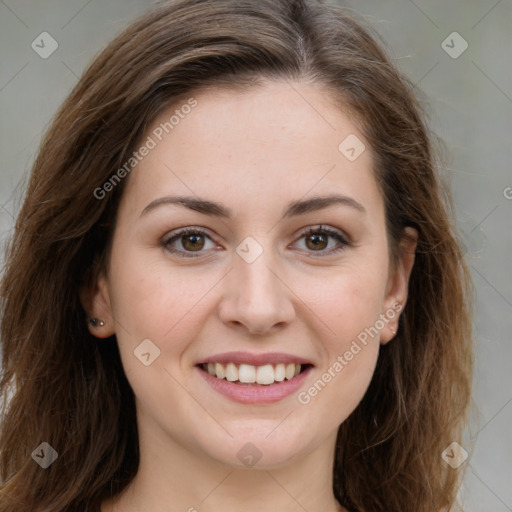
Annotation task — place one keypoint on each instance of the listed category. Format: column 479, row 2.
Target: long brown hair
column 62, row 387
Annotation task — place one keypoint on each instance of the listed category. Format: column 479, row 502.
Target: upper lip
column 255, row 359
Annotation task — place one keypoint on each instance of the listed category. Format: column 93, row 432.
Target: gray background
column 471, row 105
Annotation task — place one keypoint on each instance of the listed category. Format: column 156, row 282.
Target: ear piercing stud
column 96, row 323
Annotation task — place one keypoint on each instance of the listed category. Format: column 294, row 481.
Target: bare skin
column 254, row 152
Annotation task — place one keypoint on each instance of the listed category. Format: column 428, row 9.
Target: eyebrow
column 293, row 209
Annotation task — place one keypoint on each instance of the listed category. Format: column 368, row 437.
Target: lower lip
column 255, row 394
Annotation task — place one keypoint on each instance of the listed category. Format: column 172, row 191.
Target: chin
column 257, row 450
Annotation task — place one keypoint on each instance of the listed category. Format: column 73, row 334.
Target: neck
column 174, row 478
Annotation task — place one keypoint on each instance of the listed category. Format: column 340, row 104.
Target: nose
column 256, row 296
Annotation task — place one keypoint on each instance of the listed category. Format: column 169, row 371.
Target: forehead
column 265, row 145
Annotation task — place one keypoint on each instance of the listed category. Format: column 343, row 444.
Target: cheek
column 143, row 298
column 339, row 387
column 347, row 300
column 350, row 308
column 341, row 383
column 152, row 301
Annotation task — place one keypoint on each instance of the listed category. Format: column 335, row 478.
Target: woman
column 234, row 283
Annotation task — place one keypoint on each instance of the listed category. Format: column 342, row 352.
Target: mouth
column 252, row 375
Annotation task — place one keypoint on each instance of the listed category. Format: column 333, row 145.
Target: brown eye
column 317, row 241
column 192, row 242
column 188, row 241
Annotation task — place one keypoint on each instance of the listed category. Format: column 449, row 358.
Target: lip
column 255, row 359
column 255, row 393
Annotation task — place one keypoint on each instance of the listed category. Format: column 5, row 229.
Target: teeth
column 220, row 373
column 231, row 372
column 265, row 374
column 280, row 372
column 249, row 374
column 290, row 371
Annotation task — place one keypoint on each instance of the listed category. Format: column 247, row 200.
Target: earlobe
column 398, row 284
column 96, row 302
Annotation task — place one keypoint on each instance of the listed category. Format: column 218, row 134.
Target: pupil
column 194, row 238
column 316, row 241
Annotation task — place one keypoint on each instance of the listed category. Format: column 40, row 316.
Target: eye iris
column 316, row 243
column 187, row 238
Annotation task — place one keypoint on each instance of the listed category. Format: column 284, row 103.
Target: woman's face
column 247, row 290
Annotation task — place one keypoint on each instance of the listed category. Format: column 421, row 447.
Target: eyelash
column 314, row 230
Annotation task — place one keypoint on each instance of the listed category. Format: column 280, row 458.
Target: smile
column 247, row 374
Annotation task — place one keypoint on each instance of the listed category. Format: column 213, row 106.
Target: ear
column 96, row 301
column 398, row 284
